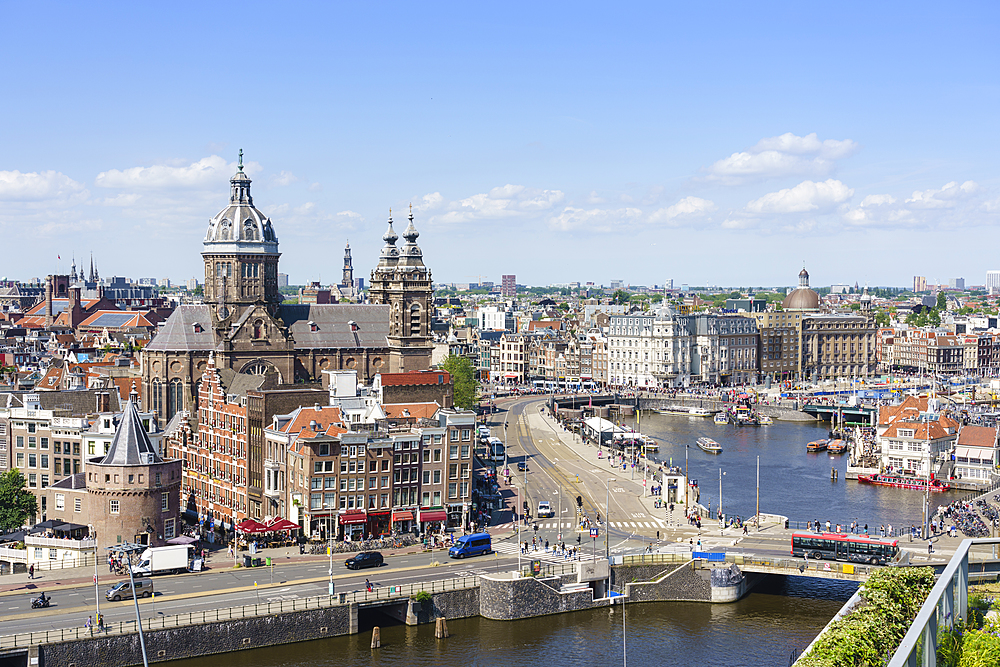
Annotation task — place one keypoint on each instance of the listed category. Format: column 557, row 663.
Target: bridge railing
column 947, row 601
column 246, row 611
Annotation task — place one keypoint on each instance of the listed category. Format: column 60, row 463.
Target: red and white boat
column 900, row 482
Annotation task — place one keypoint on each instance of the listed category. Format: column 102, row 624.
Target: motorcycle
column 41, row 603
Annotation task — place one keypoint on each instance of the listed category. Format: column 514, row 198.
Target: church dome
column 240, row 227
column 801, row 298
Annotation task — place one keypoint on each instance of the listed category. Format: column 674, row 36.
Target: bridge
column 849, row 413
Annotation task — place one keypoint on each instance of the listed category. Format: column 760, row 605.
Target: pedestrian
column 546, row 545
column 368, row 586
column 744, row 529
column 89, row 625
column 31, row 571
column 866, row 529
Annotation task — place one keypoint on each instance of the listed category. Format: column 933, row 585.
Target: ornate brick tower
column 403, row 282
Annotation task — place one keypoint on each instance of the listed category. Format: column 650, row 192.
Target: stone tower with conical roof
column 402, row 282
column 348, row 278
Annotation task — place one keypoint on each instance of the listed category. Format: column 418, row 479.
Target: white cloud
column 506, row 201
column 689, row 207
column 350, row 215
column 877, row 200
column 121, row 200
column 785, row 155
column 207, row 172
column 595, row 219
column 284, row 178
column 806, row 196
column 37, row 187
column 947, row 197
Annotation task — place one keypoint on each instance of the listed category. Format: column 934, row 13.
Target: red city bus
column 849, row 547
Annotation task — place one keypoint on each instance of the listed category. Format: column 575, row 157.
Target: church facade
column 244, row 323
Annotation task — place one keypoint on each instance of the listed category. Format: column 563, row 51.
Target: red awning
column 433, row 515
column 278, row 523
column 402, row 516
column 353, row 518
column 250, row 527
column 510, row 375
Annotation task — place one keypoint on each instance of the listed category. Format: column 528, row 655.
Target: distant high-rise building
column 919, row 283
column 508, row 285
column 617, row 284
column 164, row 282
column 282, row 280
column 669, row 284
column 957, row 283
column 993, row 282
column 192, row 284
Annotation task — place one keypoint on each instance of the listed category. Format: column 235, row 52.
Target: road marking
column 618, row 489
column 638, row 515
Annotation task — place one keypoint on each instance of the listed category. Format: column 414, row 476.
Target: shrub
column 423, row 597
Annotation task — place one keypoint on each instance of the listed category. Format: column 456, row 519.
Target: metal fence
column 384, row 593
column 10, row 557
column 947, row 601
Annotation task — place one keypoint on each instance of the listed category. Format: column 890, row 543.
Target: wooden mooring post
column 376, row 638
column 441, row 628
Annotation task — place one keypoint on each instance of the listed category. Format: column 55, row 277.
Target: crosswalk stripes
column 511, row 548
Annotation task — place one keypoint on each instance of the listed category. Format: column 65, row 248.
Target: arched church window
column 258, row 329
column 156, row 398
column 175, row 397
column 249, row 230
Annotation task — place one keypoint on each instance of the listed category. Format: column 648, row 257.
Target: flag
column 58, row 256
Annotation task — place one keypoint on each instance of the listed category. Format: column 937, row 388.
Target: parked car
column 545, row 510
column 364, row 559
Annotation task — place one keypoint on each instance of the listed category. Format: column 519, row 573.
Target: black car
column 522, row 466
column 364, row 559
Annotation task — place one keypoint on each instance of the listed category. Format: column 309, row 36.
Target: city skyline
column 725, row 147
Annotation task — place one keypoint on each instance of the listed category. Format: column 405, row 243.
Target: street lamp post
column 607, row 518
column 97, row 589
column 559, row 526
column 722, row 517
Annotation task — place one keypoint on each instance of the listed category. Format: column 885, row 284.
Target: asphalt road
column 223, row 588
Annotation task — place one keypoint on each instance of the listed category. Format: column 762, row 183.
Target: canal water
column 765, row 629
column 793, row 482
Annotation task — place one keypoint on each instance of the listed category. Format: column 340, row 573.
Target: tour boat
column 721, row 418
column 710, row 446
column 816, row 446
column 674, row 410
column 900, row 482
column 700, row 412
column 837, row 446
column 764, row 420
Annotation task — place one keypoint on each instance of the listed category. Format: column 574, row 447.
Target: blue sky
column 709, row 143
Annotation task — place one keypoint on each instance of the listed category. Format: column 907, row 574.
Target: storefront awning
column 510, row 375
column 402, row 516
column 355, row 517
column 433, row 515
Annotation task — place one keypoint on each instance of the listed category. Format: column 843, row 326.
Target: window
column 164, row 502
column 426, row 456
column 453, row 471
column 45, row 443
column 427, row 477
column 32, row 460
column 453, row 452
column 437, row 477
column 20, row 441
column 60, row 501
column 168, row 529
column 77, row 505
column 316, row 501
column 20, row 459
column 114, row 507
column 385, row 481
column 373, row 482
column 45, row 481
column 465, row 471
column 32, row 480
column 464, row 489
column 452, row 490
column 466, row 434
column 437, row 456
column 465, row 451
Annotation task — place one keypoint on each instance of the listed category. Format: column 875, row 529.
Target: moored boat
column 816, row 446
column 700, row 412
column 764, row 420
column 674, row 410
column 901, row 482
column 710, row 446
column 837, row 446
column 721, row 418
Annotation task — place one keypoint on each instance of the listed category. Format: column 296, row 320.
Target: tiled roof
column 411, row 410
column 178, row 332
column 332, row 325
column 131, row 441
column 326, row 417
column 977, row 436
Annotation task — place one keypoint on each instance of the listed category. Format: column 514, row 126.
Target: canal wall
column 501, row 597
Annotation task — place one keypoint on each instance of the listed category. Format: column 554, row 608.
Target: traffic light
column 536, row 527
column 525, row 504
column 579, row 501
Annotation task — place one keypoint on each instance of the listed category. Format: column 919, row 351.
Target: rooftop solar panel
column 112, row 320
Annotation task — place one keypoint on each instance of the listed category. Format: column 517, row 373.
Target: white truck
column 161, row 560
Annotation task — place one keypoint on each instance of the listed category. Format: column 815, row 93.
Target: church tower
column 348, row 279
column 241, row 255
column 403, row 283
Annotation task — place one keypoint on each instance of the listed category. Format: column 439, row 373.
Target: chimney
column 74, row 309
column 48, row 301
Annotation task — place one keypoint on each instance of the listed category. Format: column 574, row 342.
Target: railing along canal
column 235, row 613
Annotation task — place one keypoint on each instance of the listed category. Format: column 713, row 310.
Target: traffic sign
column 593, row 532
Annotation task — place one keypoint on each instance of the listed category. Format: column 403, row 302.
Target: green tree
column 17, row 504
column 620, row 296
column 463, row 377
column 198, row 291
column 942, row 301
column 882, row 318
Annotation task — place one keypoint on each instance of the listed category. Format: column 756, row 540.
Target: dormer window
column 313, row 326
column 197, row 328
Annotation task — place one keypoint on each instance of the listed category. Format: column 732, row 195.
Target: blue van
column 471, row 545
